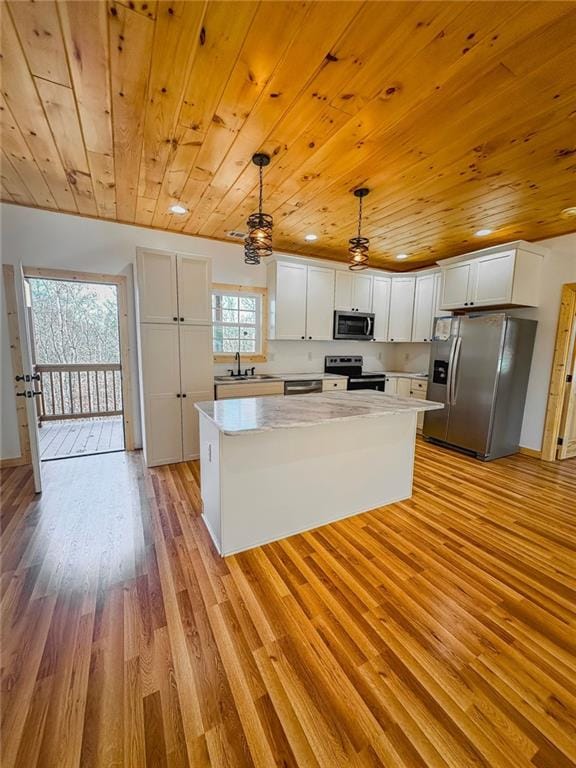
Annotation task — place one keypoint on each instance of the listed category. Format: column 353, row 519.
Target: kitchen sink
column 231, row 379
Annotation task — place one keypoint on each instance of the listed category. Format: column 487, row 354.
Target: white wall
column 9, row 438
column 44, row 239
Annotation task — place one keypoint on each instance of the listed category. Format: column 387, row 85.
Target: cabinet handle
column 175, row 319
column 309, row 337
column 181, row 319
column 178, row 394
column 184, row 394
column 303, row 337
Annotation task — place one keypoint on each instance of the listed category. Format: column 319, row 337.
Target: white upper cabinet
column 194, row 290
column 401, row 308
column 174, row 288
column 455, row 280
column 492, row 278
column 381, row 307
column 320, row 303
column 505, row 276
column 353, row 292
column 157, row 287
column 423, row 308
column 287, row 295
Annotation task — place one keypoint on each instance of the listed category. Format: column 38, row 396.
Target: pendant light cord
column 360, row 217
column 260, row 194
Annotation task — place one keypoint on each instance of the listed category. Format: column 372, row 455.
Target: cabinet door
column 362, row 293
column 381, row 307
column 291, row 301
column 161, row 390
column 157, row 291
column 437, row 296
column 455, row 282
column 196, row 382
column 493, row 279
column 343, row 292
column 401, row 308
column 391, row 387
column 194, row 290
column 403, row 387
column 423, row 308
column 320, row 304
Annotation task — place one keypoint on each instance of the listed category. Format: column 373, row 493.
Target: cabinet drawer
column 224, row 391
column 329, row 384
column 418, row 385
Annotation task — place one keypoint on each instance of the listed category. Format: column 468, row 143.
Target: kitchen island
column 275, row 466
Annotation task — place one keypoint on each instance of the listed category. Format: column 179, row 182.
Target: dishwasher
column 302, row 387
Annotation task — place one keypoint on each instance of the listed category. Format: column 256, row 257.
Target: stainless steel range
column 351, row 366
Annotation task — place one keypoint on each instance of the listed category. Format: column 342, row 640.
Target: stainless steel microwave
column 356, row 326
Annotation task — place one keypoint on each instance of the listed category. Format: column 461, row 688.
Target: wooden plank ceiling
column 457, row 115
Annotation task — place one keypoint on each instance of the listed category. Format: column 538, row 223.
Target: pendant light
column 258, row 242
column 358, row 249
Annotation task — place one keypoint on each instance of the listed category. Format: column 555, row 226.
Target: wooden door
column 362, row 293
column 194, row 290
column 196, row 382
column 455, row 280
column 291, row 301
column 157, row 286
column 423, row 308
column 567, row 437
column 381, row 307
column 401, row 308
column 161, row 393
column 27, row 389
column 320, row 304
column 492, row 279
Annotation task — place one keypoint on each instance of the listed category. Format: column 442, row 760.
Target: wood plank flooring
column 435, row 632
column 78, row 437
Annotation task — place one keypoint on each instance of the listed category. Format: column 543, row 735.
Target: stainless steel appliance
column 302, row 387
column 357, row 326
column 479, row 367
column 351, row 366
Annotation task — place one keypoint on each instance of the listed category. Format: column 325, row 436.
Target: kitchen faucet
column 237, row 357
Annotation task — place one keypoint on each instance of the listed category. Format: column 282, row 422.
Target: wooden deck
column 78, row 437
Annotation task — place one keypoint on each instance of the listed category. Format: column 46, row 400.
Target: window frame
column 248, row 290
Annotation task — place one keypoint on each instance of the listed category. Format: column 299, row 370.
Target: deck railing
column 79, row 391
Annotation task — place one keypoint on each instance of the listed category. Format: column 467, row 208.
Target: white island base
column 263, row 484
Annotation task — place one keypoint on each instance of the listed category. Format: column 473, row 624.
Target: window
column 237, row 322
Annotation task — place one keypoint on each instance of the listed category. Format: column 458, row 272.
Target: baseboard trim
column 530, row 452
column 18, row 461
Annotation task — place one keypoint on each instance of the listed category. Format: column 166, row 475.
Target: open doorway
column 77, row 327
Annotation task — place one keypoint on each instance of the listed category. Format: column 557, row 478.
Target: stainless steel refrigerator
column 479, row 368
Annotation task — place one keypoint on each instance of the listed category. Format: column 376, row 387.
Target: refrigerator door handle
column 449, row 373
column 454, row 370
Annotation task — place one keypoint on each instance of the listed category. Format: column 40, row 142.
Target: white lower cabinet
column 329, row 385
column 406, row 387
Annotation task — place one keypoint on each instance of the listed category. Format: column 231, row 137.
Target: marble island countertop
column 276, row 377
column 263, row 414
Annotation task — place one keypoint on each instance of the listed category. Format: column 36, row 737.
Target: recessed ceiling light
column 483, row 232
column 310, row 237
column 402, row 256
column 179, row 209
column 567, row 212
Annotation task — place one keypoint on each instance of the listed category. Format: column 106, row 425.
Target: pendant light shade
column 358, row 246
column 258, row 242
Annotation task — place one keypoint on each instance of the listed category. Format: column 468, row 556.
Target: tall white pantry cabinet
column 173, row 299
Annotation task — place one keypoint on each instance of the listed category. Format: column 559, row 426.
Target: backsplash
column 413, row 357
column 308, row 356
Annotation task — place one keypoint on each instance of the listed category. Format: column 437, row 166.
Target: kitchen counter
column 275, row 466
column 405, row 375
column 262, row 414
column 277, row 377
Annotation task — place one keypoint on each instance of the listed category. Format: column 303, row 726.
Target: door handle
column 449, row 373
column 36, row 392
column 454, row 372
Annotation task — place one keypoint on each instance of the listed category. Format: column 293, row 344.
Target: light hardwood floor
column 434, row 632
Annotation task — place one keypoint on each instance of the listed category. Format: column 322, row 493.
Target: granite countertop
column 263, row 414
